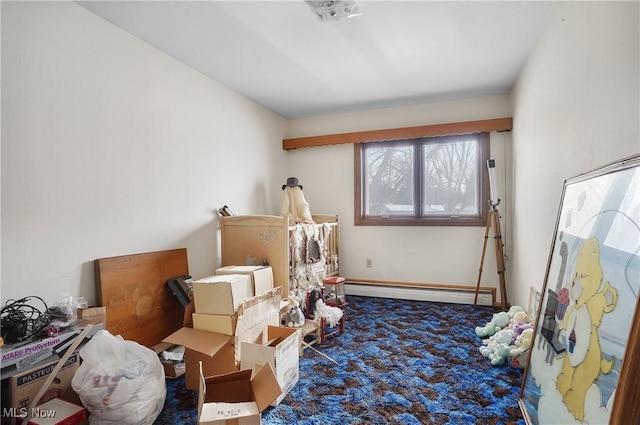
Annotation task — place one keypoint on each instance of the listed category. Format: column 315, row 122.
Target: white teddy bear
column 497, row 348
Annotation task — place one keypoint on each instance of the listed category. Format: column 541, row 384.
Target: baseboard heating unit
column 423, row 292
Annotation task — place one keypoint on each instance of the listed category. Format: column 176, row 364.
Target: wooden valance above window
column 498, row 124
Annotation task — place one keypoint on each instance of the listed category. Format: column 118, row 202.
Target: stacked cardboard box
column 221, row 294
column 228, row 315
column 261, row 276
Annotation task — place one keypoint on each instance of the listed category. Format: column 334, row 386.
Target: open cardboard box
column 236, row 397
column 281, row 351
column 221, row 353
column 172, row 368
column 215, row 351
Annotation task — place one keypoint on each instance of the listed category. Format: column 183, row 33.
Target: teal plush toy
column 498, row 347
column 498, row 321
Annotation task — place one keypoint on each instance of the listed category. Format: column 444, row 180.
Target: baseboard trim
column 420, row 292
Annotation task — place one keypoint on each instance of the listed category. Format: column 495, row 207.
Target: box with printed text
column 19, row 390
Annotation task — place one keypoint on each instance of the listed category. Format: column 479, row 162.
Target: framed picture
column 584, row 357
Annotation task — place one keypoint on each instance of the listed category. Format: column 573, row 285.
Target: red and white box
column 58, row 412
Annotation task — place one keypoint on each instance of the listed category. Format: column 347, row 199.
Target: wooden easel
column 493, row 220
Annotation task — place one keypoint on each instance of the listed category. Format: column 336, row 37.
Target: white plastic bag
column 120, row 382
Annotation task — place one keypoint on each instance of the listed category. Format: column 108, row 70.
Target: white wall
column 422, row 254
column 110, row 147
column 576, row 107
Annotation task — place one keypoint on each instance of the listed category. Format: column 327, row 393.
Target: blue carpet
column 399, row 362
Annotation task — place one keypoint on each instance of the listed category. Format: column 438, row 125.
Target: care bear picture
column 589, row 300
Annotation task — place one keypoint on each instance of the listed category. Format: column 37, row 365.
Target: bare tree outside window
column 426, row 181
column 450, row 178
column 389, row 174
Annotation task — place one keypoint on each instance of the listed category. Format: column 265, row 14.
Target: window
column 425, row 181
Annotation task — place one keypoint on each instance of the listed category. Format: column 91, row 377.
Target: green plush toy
column 498, row 321
column 497, row 348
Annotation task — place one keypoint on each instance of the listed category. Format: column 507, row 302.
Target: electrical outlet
column 368, row 262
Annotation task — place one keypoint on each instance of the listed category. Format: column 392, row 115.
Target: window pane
column 388, row 172
column 450, row 183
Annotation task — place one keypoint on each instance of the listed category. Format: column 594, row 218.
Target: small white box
column 221, row 294
column 261, row 276
column 58, row 412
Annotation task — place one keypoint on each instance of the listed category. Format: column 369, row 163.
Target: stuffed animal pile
column 507, row 337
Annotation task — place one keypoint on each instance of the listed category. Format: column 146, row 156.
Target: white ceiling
column 396, row 53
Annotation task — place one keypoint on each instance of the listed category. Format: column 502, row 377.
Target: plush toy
column 294, row 317
column 522, row 342
column 520, row 348
column 520, row 327
column 498, row 321
column 497, row 348
column 519, row 323
column 514, row 310
column 520, row 317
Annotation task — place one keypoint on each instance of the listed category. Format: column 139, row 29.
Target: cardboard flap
column 257, row 354
column 230, row 413
column 281, row 332
column 275, row 295
column 275, row 341
column 162, row 346
column 204, row 342
column 265, row 387
column 240, row 375
column 202, row 392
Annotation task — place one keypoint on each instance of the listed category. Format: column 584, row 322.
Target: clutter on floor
column 243, row 326
column 401, row 362
column 506, row 338
column 42, row 358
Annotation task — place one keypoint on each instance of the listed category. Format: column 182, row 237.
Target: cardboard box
column 258, row 310
column 281, row 351
column 172, row 368
column 221, row 353
column 236, row 397
column 19, row 390
column 58, row 412
column 215, row 351
column 93, row 313
column 261, row 276
column 26, row 354
column 221, row 294
column 219, row 323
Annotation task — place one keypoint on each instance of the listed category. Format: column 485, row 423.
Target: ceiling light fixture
column 333, row 10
